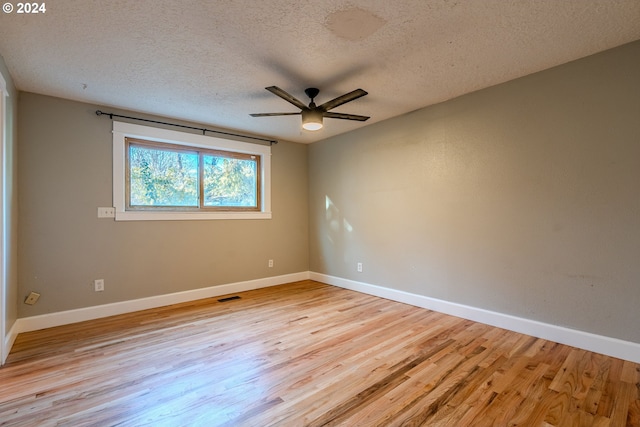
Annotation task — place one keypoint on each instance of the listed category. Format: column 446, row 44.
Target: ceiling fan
column 313, row 114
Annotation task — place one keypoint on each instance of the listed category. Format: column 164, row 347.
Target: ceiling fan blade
column 274, row 114
column 284, row 95
column 347, row 97
column 345, row 116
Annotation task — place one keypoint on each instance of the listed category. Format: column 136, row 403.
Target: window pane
column 162, row 177
column 230, row 181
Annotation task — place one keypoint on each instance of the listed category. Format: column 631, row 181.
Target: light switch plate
column 107, row 212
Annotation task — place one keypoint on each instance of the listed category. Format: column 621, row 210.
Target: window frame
column 122, row 132
column 201, row 153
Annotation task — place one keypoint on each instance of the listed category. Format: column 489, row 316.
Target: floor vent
column 228, row 299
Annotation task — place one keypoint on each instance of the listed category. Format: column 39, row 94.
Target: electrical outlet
column 359, row 267
column 32, row 298
column 98, row 285
column 106, row 212
column 270, row 263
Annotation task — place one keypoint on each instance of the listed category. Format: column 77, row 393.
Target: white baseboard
column 43, row 321
column 8, row 342
column 600, row 344
column 587, row 341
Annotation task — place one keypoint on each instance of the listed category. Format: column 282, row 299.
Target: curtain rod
column 112, row 115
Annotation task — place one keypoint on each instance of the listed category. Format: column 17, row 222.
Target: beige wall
column 65, row 174
column 11, row 198
column 523, row 198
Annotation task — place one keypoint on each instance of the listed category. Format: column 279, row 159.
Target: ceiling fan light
column 312, row 126
column 311, row 120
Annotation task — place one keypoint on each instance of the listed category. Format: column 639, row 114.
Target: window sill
column 182, row 216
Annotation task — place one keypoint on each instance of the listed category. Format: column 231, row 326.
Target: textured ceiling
column 209, row 61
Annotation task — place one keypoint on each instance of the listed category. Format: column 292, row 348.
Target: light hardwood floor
column 307, row 354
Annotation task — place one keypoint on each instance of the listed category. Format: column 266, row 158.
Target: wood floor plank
column 307, row 354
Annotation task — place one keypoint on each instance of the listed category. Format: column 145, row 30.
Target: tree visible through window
column 173, row 177
column 230, row 181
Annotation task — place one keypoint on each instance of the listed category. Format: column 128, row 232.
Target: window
column 167, row 176
column 162, row 174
